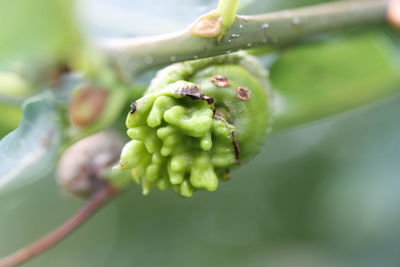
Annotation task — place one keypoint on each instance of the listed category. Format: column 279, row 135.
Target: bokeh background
column 323, row 194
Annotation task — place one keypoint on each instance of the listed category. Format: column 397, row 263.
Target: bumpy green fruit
column 197, row 120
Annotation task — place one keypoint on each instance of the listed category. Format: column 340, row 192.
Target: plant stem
column 227, row 10
column 98, row 199
column 131, row 56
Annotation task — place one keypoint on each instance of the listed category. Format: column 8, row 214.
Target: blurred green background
column 323, row 194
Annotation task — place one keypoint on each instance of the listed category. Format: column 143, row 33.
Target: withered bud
column 86, row 105
column 81, row 168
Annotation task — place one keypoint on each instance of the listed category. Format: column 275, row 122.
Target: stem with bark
column 131, row 56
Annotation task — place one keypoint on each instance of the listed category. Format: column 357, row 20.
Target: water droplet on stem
column 296, row 20
column 265, row 26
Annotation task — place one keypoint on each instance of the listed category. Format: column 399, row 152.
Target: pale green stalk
column 227, row 10
column 131, row 56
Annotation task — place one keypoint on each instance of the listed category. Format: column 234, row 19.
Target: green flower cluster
column 196, row 120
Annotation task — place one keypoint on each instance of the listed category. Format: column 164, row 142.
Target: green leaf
column 31, row 150
column 320, row 79
column 43, row 29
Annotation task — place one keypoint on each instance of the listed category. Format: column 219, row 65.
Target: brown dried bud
column 81, row 168
column 87, row 105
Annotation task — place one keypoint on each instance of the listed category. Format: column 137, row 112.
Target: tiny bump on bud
column 243, row 93
column 86, row 105
column 207, row 26
column 133, row 108
column 220, row 81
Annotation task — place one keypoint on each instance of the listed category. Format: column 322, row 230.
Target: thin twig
column 134, row 55
column 98, row 199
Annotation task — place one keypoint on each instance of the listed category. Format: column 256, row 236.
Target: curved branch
column 98, row 199
column 134, row 55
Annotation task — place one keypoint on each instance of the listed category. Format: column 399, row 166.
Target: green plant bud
column 196, row 121
column 86, row 105
column 82, row 167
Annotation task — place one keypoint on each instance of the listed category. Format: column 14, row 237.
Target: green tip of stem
column 227, row 9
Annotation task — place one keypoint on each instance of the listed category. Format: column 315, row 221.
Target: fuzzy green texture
column 188, row 130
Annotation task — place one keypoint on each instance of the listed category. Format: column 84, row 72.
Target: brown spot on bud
column 55, row 74
column 195, row 93
column 133, row 108
column 86, row 105
column 218, row 115
column 220, row 81
column 393, row 13
column 236, row 148
column 243, row 93
column 209, row 100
